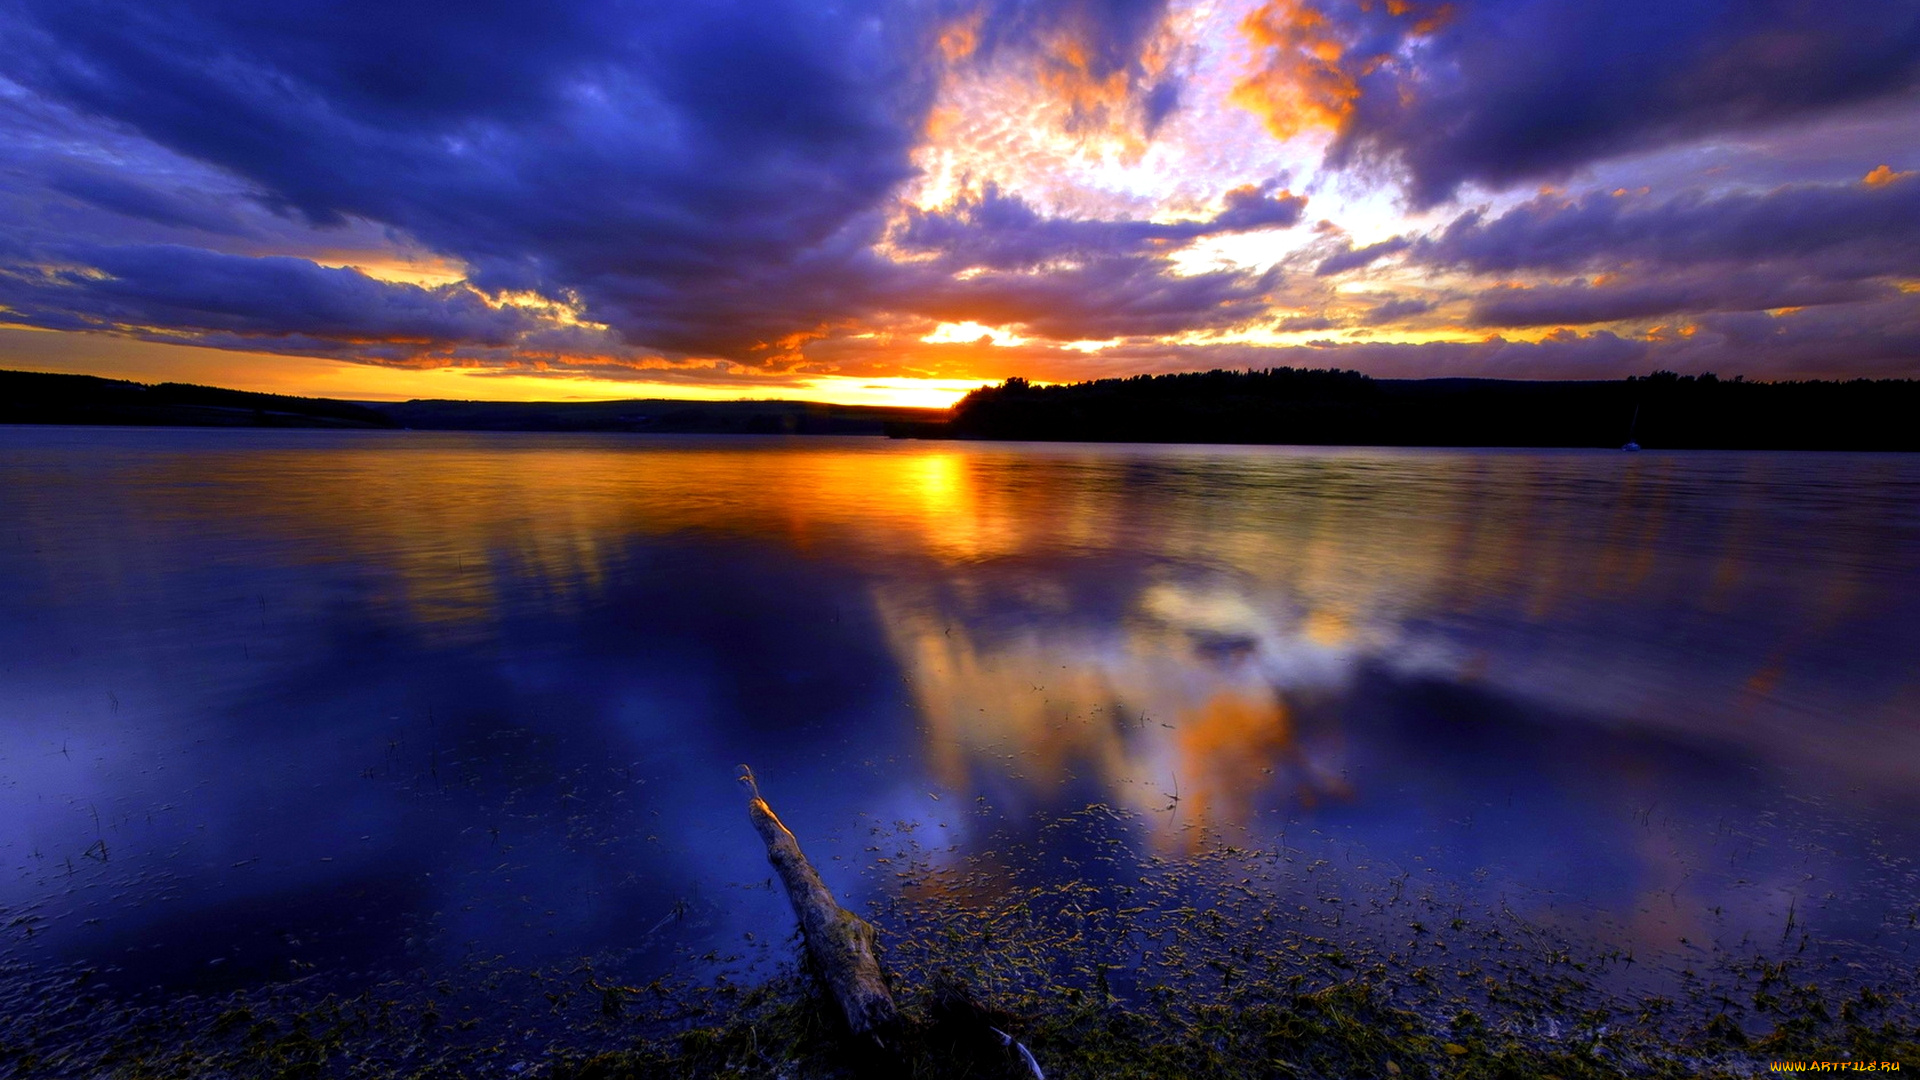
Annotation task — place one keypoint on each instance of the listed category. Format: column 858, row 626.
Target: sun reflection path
column 1145, row 581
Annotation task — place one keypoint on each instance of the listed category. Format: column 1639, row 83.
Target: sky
column 892, row 202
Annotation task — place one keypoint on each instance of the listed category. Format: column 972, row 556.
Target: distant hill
column 1286, row 405
column 28, row 397
column 37, row 398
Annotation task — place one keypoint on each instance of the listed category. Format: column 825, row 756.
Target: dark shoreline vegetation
column 1285, row 406
column 1345, row 408
column 1155, row 968
column 36, row 398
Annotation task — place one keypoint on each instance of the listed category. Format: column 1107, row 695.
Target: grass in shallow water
column 1345, row 1030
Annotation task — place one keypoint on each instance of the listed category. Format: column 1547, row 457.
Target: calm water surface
column 357, row 704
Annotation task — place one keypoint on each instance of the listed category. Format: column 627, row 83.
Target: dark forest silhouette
column 1279, row 405
column 34, row 398
column 29, row 397
column 1332, row 407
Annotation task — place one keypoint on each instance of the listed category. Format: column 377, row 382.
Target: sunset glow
column 893, row 209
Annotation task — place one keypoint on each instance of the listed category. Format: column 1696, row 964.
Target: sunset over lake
column 959, row 539
column 891, row 204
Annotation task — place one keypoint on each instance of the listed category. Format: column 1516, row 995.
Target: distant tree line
column 1333, row 407
column 1277, row 405
column 32, row 397
column 28, row 397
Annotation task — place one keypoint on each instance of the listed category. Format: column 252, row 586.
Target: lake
column 383, row 708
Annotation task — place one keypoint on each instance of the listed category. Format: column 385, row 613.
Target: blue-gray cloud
column 249, row 302
column 683, row 169
column 1400, row 307
column 1583, row 303
column 130, row 198
column 1353, row 258
column 1002, row 231
column 1796, row 246
column 1503, row 91
column 1853, row 229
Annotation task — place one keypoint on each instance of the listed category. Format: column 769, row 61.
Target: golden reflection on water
column 1255, row 580
column 1193, row 736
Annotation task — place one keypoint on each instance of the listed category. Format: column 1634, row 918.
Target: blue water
column 353, row 705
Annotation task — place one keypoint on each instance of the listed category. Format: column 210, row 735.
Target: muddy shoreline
column 1227, row 961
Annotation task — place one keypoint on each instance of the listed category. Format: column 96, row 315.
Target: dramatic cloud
column 245, row 300
column 1502, row 91
column 1584, row 304
column 1094, row 55
column 1797, row 246
column 1001, row 231
column 119, row 195
column 1114, row 298
column 688, row 171
column 1853, row 229
column 719, row 191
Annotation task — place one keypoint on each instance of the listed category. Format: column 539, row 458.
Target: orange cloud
column 1303, row 86
column 1883, row 176
column 789, row 346
column 1062, row 100
column 1094, row 103
column 961, row 37
column 1310, row 78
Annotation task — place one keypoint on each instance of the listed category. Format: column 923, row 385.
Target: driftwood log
column 840, row 943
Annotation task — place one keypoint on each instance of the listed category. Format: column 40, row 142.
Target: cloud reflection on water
column 1482, row 660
